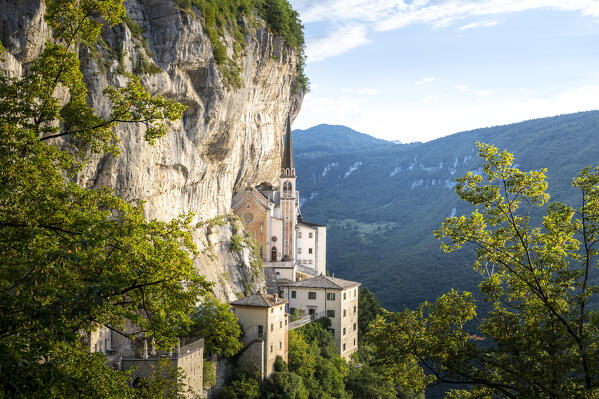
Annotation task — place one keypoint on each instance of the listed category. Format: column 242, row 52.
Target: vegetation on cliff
column 235, row 18
column 75, row 259
column 539, row 340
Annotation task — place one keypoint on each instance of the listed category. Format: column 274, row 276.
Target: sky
column 416, row 70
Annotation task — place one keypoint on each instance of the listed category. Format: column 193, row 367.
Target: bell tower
column 288, row 196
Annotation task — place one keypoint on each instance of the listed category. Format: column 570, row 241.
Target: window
column 260, row 331
column 310, row 261
column 309, row 250
column 272, row 310
column 293, row 295
column 310, row 235
column 355, row 292
column 344, row 331
column 343, row 347
column 330, row 313
column 355, row 308
column 292, row 310
column 272, row 347
column 344, row 296
column 344, row 313
column 272, row 327
column 299, row 250
column 311, row 295
column 330, row 296
column 280, row 344
column 299, row 235
column 281, row 324
column 305, row 262
column 354, row 326
column 285, row 320
column 354, row 342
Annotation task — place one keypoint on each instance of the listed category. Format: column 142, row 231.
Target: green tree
column 364, row 382
column 216, row 323
column 369, row 308
column 75, row 259
column 283, row 384
column 540, row 338
column 313, row 355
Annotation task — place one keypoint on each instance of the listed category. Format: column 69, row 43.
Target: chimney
column 276, row 297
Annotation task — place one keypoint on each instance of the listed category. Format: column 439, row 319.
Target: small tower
column 288, row 199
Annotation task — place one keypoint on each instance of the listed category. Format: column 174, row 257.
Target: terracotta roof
column 259, row 299
column 323, row 282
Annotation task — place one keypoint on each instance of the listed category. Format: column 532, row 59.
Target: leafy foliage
column 314, row 357
column 369, row 308
column 75, row 259
column 232, row 16
column 215, row 322
column 539, row 339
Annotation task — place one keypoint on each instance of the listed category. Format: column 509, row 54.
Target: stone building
column 291, row 248
column 294, row 255
column 266, row 326
column 331, row 297
column 189, row 357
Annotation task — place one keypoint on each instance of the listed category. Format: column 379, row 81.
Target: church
column 291, row 248
column 294, row 255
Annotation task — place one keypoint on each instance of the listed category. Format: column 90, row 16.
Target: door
column 273, row 254
column 312, row 313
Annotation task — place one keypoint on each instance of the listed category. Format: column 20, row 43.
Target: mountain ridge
column 382, row 205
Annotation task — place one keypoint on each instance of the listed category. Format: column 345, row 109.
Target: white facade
column 312, row 246
column 328, row 297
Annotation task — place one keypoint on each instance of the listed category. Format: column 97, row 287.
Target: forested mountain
column 382, row 200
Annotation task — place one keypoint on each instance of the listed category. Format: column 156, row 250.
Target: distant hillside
column 334, row 139
column 383, row 200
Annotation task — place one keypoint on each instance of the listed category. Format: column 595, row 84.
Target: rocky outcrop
column 227, row 139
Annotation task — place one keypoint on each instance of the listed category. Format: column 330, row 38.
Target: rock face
column 228, row 138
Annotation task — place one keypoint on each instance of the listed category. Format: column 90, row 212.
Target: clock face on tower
column 248, row 217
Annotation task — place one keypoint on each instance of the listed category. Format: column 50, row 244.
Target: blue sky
column 418, row 70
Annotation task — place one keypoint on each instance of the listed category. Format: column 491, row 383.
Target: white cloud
column 336, row 43
column 481, row 24
column 423, row 81
column 365, row 91
column 466, row 89
column 385, row 15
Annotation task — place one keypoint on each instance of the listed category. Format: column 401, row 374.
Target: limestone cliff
column 228, row 138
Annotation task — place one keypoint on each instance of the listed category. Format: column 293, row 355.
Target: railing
column 306, row 319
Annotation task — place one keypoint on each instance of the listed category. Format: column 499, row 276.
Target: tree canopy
column 540, row 276
column 216, row 323
column 74, row 259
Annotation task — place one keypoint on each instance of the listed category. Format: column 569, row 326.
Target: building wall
column 276, row 343
column 349, row 322
column 257, row 223
column 303, row 304
column 276, row 228
column 191, row 363
column 305, row 243
column 274, row 333
column 321, row 250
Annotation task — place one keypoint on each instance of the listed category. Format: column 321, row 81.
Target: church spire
column 287, row 164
